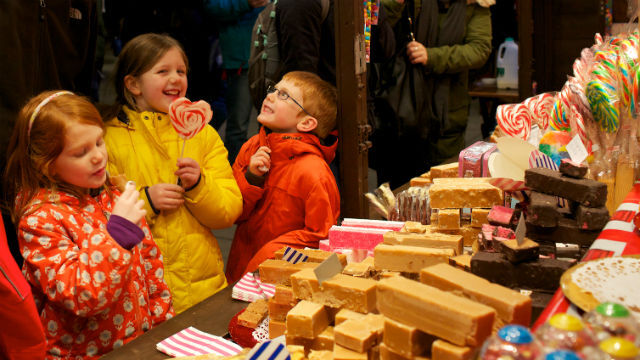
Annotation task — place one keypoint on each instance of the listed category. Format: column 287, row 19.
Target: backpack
column 264, row 58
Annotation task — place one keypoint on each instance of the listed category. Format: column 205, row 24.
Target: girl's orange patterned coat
column 93, row 295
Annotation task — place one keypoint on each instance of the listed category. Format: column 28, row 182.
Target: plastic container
column 507, row 65
column 611, row 319
column 513, row 342
column 564, row 331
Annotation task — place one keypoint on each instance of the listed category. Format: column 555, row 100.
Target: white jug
column 507, row 65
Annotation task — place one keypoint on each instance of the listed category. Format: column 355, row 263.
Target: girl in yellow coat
column 143, row 146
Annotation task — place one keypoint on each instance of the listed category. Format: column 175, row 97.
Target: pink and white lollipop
column 541, row 107
column 188, row 118
column 514, row 120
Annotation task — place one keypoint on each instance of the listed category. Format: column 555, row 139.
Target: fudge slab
column 543, row 210
column 426, row 239
column 405, row 340
column 585, row 191
column 464, row 194
column 442, row 350
column 510, row 305
column 307, row 319
column 278, row 272
column 355, row 335
column 439, row 313
column 409, row 259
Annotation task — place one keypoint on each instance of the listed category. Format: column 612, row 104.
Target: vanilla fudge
column 278, row 311
column 439, row 313
column 278, row 272
column 510, row 305
column 479, row 217
column 276, row 328
column 409, row 259
column 449, row 219
column 355, row 335
column 426, row 239
column 442, row 350
column 405, row 340
column 464, row 194
column 307, row 320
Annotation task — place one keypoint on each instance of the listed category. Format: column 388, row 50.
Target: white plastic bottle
column 507, row 65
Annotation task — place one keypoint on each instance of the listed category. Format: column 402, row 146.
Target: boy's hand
column 166, row 196
column 260, row 162
column 188, row 172
column 129, row 206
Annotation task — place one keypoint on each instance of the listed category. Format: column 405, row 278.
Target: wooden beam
column 352, row 107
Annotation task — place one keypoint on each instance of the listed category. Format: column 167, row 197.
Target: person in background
column 151, row 72
column 438, row 41
column 290, row 197
column 235, row 22
column 21, row 333
column 96, row 273
column 47, row 44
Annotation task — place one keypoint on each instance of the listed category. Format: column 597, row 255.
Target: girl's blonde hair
column 138, row 56
column 32, row 152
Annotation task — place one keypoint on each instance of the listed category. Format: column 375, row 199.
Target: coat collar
column 288, row 145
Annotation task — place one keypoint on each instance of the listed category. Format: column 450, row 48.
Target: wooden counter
column 211, row 315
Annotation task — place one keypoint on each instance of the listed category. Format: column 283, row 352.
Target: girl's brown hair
column 137, row 57
column 31, row 154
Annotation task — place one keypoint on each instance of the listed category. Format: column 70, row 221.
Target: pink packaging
column 324, row 245
column 348, row 237
column 470, row 160
column 373, row 224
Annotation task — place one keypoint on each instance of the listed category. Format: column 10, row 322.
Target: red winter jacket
column 296, row 206
column 21, row 333
column 93, row 295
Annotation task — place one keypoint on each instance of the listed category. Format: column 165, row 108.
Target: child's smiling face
column 282, row 116
column 166, row 81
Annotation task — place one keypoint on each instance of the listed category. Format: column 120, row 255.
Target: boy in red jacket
column 290, row 197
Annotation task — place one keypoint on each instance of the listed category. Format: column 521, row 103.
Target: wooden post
column 352, row 107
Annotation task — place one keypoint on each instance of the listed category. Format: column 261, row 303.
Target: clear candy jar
column 512, row 342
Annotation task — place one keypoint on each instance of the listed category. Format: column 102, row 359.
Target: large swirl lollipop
column 540, row 107
column 514, row 120
column 189, row 118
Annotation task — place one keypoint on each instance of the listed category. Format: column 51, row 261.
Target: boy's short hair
column 320, row 99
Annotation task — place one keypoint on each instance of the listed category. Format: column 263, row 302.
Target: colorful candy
column 514, row 120
column 540, row 107
column 603, row 106
column 189, row 118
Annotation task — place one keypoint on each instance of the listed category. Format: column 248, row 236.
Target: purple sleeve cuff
column 123, row 231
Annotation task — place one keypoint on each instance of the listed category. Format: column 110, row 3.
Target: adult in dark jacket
column 423, row 115
column 46, row 44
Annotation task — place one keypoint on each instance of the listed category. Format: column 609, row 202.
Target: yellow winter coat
column 145, row 148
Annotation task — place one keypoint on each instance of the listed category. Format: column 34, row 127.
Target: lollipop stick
column 184, row 142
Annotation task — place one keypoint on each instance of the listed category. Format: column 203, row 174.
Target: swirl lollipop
column 540, row 107
column 189, row 118
column 514, row 120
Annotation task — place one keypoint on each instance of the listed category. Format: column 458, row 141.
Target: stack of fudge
column 581, row 221
column 369, row 311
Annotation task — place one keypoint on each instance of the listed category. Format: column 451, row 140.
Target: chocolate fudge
column 529, row 250
column 543, row 210
column 592, row 218
column 540, row 274
column 573, row 169
column 588, row 192
column 567, row 231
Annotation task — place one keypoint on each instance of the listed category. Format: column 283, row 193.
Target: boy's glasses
column 283, row 95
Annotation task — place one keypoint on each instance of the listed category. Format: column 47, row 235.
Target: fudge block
column 479, row 217
column 444, row 171
column 419, row 181
column 449, row 219
column 585, row 191
column 567, row 231
column 342, row 353
column 442, row 350
column 297, row 352
column 307, row 319
column 413, row 227
column 321, row 354
column 376, row 323
column 314, row 255
column 469, row 234
column 502, row 216
column 278, row 272
column 462, row 262
column 354, row 335
column 304, row 284
column 324, row 341
column 541, row 274
column 405, row 340
column 284, row 295
column 439, row 313
column 511, row 306
column 543, row 210
column 276, row 328
column 386, row 353
column 254, row 313
column 464, row 194
column 346, row 314
column 426, row 239
column 341, row 291
column 592, row 218
column 573, row 169
column 409, row 259
column 529, row 250
column 278, row 311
